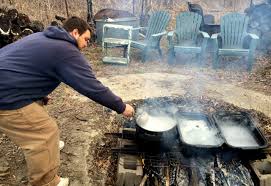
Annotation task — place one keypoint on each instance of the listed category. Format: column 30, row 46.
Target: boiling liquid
column 156, row 123
column 237, row 135
column 197, row 132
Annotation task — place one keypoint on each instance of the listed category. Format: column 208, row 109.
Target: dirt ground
column 86, row 158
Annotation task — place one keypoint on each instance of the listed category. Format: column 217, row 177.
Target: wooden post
column 134, row 7
column 67, row 8
column 142, row 8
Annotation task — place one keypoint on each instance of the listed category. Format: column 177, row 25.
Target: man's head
column 80, row 30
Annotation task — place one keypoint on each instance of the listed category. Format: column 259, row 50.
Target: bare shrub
column 45, row 10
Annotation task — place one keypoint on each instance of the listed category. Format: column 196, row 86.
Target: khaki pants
column 32, row 129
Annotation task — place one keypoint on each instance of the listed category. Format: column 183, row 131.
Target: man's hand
column 129, row 111
column 45, row 100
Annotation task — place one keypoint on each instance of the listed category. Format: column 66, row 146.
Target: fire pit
column 178, row 160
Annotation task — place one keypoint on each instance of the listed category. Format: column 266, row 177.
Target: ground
column 86, row 157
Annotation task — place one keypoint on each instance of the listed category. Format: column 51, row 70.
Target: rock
column 4, row 168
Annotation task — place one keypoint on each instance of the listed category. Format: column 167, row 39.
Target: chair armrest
column 155, row 39
column 215, row 36
column 253, row 40
column 142, row 35
column 202, row 39
column 204, row 34
column 170, row 34
column 216, row 43
column 159, row 34
column 253, row 36
column 138, row 28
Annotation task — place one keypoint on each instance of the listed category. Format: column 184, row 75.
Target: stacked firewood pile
column 260, row 24
column 15, row 25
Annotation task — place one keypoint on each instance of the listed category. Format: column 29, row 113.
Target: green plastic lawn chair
column 233, row 39
column 187, row 38
column 156, row 29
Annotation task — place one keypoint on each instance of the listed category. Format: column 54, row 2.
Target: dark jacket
column 34, row 66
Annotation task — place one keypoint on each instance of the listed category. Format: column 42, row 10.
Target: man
column 32, row 68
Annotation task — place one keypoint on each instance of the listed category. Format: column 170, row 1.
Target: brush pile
column 260, row 24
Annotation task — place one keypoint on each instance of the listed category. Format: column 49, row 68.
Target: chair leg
column 144, row 55
column 160, row 52
column 125, row 51
column 171, row 56
column 215, row 60
column 250, row 62
column 106, row 48
column 200, row 59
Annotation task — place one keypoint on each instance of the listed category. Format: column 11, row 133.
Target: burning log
column 15, row 25
column 232, row 172
column 182, row 177
column 167, row 177
column 144, row 180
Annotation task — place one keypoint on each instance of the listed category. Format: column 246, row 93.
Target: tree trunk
column 90, row 11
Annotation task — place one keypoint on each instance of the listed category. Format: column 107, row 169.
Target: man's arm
column 75, row 71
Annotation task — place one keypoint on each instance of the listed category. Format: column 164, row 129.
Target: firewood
column 5, row 25
column 54, row 23
column 12, row 14
column 23, row 20
column 60, row 18
column 15, row 30
column 36, row 26
column 15, row 25
column 26, row 32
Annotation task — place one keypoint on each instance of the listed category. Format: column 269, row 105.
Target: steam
column 238, row 136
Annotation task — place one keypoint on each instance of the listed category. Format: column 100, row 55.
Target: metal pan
column 156, row 126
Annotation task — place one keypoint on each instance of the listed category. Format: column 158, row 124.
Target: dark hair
column 77, row 23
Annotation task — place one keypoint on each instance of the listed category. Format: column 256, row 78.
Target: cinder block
column 262, row 170
column 130, row 163
column 130, row 170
